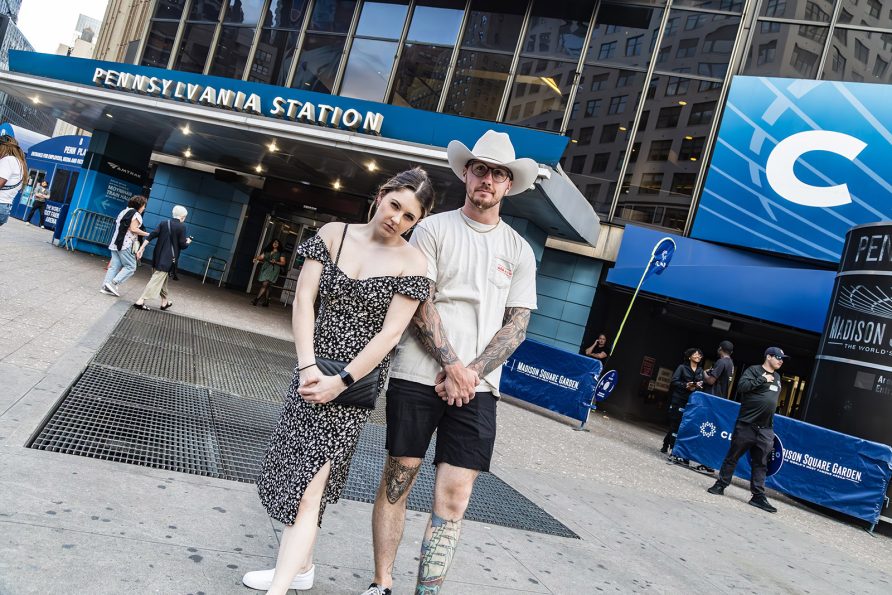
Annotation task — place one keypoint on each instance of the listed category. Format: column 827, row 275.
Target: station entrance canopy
column 300, row 136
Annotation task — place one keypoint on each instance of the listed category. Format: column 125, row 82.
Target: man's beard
column 484, row 204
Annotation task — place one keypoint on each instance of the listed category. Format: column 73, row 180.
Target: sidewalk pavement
column 83, row 525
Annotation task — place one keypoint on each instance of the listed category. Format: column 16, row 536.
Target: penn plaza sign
column 251, row 103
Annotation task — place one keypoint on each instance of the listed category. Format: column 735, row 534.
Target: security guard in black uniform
column 759, row 389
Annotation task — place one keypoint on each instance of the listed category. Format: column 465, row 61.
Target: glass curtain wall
column 162, row 32
column 198, row 35
column 277, row 43
column 320, row 56
column 374, row 49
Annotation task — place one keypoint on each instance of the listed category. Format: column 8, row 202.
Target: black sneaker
column 678, row 460
column 762, row 502
column 375, row 589
column 718, row 489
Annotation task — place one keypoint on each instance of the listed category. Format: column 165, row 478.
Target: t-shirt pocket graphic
column 501, row 272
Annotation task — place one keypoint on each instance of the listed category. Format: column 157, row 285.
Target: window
column 861, row 52
column 617, row 104
column 839, row 62
column 272, row 59
column 687, row 48
column 668, row 117
column 600, row 162
column 659, row 150
column 694, row 21
column 478, row 84
column 598, row 81
column 231, row 53
column 683, row 183
column 691, row 148
column 671, row 27
column 651, row 183
column 642, row 123
column 775, row 8
column 879, row 67
column 813, row 12
column 817, row 34
column 676, row 86
column 493, row 25
column 767, row 52
column 575, row 110
column 318, row 63
column 436, row 22
column 803, row 61
column 874, row 7
column 592, row 107
column 624, row 77
column 701, row 113
column 333, row 16
column 607, row 50
column 577, row 165
column 585, row 135
column 633, row 46
column 545, row 95
column 608, row 133
column 420, row 76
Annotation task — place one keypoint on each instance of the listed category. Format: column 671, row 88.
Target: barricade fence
column 89, row 226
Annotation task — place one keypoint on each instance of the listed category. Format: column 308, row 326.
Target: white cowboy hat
column 494, row 148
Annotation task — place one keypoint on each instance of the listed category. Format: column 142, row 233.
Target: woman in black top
column 687, row 378
column 599, row 349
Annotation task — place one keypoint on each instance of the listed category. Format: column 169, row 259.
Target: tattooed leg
column 437, row 550
column 398, row 478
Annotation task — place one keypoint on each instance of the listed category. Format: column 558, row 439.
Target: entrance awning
column 311, row 155
column 763, row 287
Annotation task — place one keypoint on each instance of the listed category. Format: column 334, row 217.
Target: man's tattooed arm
column 428, row 327
column 503, row 344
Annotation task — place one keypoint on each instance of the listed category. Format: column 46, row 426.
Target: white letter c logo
column 779, row 168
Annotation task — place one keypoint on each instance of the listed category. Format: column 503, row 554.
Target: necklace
column 465, row 219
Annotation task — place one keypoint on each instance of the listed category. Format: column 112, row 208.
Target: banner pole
column 629, row 309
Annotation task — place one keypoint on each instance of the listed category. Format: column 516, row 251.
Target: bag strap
column 173, row 254
column 341, row 247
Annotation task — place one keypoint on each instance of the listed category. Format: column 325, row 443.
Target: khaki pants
column 157, row 286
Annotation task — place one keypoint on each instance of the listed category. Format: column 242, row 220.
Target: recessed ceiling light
column 693, row 159
column 372, row 166
column 186, row 130
column 109, row 116
column 682, row 103
column 689, row 137
column 272, row 146
column 336, row 185
column 304, row 182
column 258, row 168
column 187, row 153
column 35, row 99
column 623, row 128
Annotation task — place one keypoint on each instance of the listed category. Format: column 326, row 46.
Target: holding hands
column 457, row 384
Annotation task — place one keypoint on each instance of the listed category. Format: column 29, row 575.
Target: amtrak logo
column 707, row 429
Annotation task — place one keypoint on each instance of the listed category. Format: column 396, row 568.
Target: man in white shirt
column 446, row 370
column 12, row 172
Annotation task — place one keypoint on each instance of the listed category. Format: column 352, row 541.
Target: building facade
column 13, row 110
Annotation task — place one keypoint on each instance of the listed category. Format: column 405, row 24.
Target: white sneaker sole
column 262, row 580
column 110, row 290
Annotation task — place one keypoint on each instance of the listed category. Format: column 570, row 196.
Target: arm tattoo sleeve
column 428, row 327
column 398, row 479
column 503, row 344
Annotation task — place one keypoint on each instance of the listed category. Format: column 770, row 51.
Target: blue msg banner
column 796, row 164
column 831, row 469
column 552, row 378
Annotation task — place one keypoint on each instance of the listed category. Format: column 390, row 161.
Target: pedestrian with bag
column 272, row 261
column 40, row 196
column 370, row 282
column 124, row 245
column 12, row 172
column 172, row 238
column 687, row 378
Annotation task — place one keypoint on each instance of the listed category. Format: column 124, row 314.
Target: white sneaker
column 105, row 291
column 110, row 289
column 262, row 580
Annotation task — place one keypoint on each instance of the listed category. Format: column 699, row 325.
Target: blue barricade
column 829, row 468
column 552, row 378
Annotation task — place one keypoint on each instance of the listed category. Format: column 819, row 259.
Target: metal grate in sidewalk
column 173, row 393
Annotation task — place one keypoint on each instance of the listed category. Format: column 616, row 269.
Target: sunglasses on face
column 480, row 169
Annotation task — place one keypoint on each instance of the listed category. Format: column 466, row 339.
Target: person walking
column 124, row 245
column 12, row 171
column 717, row 378
column 370, row 281
column 273, row 260
column 446, row 371
column 41, row 195
column 687, row 378
column 172, row 238
column 758, row 389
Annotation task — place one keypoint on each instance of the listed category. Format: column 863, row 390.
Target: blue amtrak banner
column 796, row 164
column 549, row 377
column 829, row 468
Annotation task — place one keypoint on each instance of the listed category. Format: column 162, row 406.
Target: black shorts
column 466, row 435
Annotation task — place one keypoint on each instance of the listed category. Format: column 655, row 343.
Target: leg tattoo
column 398, row 478
column 436, row 554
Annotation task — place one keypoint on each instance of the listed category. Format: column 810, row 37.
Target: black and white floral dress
column 308, row 435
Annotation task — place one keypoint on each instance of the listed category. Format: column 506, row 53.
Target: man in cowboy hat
column 446, row 370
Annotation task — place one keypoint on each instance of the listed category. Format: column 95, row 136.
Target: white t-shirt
column 129, row 236
column 477, row 276
column 11, row 171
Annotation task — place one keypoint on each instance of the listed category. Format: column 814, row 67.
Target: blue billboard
column 796, row 164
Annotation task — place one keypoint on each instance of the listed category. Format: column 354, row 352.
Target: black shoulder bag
column 364, row 391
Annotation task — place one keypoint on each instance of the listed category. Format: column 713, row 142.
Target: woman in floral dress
column 370, row 281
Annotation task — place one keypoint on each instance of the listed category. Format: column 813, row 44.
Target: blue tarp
column 829, row 468
column 552, row 378
column 729, row 279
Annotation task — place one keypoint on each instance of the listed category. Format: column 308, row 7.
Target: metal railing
column 213, row 260
column 88, row 226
